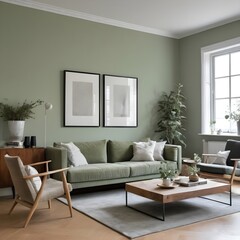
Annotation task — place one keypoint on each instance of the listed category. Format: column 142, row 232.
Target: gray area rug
column 108, row 208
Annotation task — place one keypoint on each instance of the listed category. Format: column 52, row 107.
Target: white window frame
column 206, row 54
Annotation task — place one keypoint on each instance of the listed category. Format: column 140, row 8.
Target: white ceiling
column 171, row 18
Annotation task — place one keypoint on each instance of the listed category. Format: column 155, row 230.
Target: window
column 220, row 84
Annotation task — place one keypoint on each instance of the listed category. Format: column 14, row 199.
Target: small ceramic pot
column 193, row 178
column 166, row 182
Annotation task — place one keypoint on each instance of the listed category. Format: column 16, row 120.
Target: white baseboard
column 5, row 192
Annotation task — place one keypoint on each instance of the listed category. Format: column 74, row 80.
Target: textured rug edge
column 63, row 200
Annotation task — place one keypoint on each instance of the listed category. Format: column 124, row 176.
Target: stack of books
column 14, row 144
column 189, row 183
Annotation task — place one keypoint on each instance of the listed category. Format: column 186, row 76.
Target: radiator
column 213, row 146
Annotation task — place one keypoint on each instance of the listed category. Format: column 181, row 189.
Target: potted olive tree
column 171, row 108
column 16, row 116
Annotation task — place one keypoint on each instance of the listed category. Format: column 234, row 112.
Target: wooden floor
column 56, row 224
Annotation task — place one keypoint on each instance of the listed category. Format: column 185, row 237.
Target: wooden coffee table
column 149, row 189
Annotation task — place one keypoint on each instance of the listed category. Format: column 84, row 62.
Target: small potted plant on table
column 167, row 173
column 193, row 169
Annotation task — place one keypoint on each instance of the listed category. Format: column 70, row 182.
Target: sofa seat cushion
column 217, row 169
column 97, row 172
column 142, row 168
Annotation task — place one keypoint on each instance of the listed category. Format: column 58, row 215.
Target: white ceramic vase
column 16, row 129
column 166, row 182
column 238, row 127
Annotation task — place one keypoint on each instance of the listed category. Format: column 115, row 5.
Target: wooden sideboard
column 28, row 155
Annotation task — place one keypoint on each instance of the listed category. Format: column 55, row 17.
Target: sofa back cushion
column 95, row 151
column 119, row 151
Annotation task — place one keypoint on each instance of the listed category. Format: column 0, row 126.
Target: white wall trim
column 206, row 53
column 89, row 17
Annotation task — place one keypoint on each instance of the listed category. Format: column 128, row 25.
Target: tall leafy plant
column 171, row 110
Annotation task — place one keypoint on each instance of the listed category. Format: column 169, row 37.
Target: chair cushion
column 217, row 169
column 234, row 147
column 221, row 157
column 36, row 181
column 53, row 189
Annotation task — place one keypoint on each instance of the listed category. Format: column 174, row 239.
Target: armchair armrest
column 45, row 173
column 39, row 163
column 209, row 155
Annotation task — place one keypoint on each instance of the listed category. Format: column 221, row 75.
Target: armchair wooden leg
column 233, row 172
column 66, row 189
column 49, row 204
column 35, row 204
column 34, row 207
column 14, row 204
column 69, row 202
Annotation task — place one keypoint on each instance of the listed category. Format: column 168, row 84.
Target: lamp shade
column 48, row 106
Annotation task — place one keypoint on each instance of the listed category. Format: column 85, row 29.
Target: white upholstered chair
column 32, row 187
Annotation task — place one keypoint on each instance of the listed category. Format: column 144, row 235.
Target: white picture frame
column 120, row 101
column 81, row 99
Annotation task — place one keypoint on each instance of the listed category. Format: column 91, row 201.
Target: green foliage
column 19, row 112
column 171, row 108
column 196, row 158
column 235, row 115
column 167, row 171
column 193, row 170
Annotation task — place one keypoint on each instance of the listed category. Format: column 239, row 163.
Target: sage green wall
column 36, row 46
column 190, row 68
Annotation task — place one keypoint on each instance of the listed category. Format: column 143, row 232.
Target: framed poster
column 81, row 99
column 120, row 101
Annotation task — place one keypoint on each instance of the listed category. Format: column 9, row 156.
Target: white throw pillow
column 143, row 151
column 158, row 151
column 221, row 157
column 36, row 181
column 75, row 157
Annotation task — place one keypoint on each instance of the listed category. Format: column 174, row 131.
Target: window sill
column 220, row 135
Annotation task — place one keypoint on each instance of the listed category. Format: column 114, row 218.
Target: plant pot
column 193, row 178
column 238, row 127
column 166, row 182
column 16, row 129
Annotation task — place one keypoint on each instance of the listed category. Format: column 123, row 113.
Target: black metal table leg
column 163, row 209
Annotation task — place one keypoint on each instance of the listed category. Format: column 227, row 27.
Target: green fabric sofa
column 109, row 163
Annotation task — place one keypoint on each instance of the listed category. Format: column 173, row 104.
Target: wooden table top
column 151, row 190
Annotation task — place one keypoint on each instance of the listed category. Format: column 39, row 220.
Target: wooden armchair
column 32, row 187
column 229, row 170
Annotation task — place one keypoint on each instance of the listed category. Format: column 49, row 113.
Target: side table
column 186, row 162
